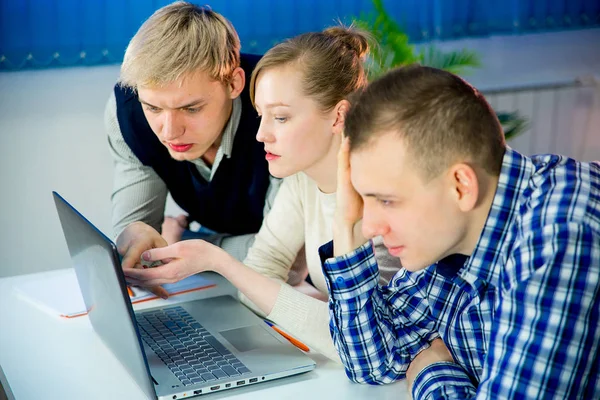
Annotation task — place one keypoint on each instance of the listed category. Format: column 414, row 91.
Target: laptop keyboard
column 191, row 353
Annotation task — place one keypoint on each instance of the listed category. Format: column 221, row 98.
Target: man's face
column 420, row 222
column 189, row 115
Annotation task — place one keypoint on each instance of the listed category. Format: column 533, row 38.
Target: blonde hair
column 177, row 40
column 331, row 63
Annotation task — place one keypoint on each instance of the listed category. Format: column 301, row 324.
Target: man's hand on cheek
column 347, row 232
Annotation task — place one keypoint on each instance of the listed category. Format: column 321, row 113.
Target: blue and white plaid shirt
column 520, row 315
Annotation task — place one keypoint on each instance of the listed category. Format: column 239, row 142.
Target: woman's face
column 296, row 133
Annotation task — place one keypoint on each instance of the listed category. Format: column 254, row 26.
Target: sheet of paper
column 59, row 294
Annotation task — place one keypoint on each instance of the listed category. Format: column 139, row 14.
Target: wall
column 563, row 119
column 51, row 138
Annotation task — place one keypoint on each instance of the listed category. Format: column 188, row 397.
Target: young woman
column 300, row 89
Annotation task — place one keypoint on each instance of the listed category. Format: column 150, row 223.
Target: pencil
column 291, row 339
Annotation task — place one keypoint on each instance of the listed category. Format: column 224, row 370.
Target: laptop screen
column 104, row 291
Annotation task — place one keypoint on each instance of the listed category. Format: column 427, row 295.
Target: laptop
column 5, row 392
column 176, row 351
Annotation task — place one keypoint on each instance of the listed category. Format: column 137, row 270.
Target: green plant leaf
column 457, row 62
column 512, row 123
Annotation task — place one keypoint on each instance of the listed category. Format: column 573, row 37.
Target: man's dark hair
column 440, row 117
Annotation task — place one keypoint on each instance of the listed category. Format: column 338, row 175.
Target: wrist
column 347, row 237
column 343, row 239
column 223, row 264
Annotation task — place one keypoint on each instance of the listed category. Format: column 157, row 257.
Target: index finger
column 140, row 275
column 159, row 291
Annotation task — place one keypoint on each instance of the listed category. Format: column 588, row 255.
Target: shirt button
column 339, row 280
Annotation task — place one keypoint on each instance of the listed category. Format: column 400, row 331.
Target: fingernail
column 146, row 256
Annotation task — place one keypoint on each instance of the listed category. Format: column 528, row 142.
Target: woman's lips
column 271, row 156
column 180, row 148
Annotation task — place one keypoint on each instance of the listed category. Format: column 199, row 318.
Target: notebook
column 60, row 295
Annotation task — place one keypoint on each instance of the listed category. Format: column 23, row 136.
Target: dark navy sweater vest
column 233, row 201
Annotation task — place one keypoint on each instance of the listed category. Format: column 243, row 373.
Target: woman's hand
column 180, row 260
column 190, row 257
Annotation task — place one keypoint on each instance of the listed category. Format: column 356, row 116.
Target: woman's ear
column 340, row 110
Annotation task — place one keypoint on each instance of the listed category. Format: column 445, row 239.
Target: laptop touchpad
column 248, row 338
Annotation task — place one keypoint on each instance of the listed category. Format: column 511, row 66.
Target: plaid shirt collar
column 513, row 180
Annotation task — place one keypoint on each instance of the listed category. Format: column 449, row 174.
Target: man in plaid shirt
column 499, row 296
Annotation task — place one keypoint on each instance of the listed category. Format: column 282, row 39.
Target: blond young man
column 499, row 297
column 180, row 121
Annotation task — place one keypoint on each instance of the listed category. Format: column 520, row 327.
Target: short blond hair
column 331, row 63
column 177, row 40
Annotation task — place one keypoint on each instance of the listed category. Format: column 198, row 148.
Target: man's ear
column 236, row 82
column 339, row 113
column 465, row 186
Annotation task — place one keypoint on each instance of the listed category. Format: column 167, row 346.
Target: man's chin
column 186, row 156
column 412, row 266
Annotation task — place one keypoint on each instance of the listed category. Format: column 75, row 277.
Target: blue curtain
column 53, row 33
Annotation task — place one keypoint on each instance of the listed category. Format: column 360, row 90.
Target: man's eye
column 385, row 203
column 152, row 109
column 192, row 110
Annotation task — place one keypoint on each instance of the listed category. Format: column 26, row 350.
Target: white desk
column 49, row 357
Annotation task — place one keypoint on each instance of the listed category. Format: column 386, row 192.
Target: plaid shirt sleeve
column 376, row 330
column 543, row 339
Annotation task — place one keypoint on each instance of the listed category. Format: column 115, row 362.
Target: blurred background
column 538, row 63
